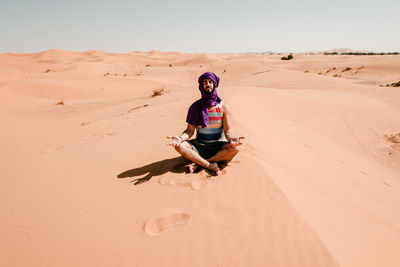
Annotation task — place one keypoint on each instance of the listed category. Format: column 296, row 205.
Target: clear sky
column 199, row 26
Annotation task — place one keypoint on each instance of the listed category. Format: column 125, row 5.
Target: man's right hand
column 174, row 140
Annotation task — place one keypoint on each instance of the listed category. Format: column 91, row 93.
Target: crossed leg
column 226, row 153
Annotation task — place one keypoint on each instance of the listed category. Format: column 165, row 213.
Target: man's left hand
column 236, row 141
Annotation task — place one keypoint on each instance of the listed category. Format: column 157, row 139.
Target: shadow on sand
column 176, row 165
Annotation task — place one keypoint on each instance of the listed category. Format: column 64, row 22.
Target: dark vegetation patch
column 289, row 57
column 158, row 92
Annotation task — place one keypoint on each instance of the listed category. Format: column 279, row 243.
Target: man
column 210, row 116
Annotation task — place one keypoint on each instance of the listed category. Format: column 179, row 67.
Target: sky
column 123, row 26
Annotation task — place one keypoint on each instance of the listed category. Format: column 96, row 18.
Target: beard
column 207, row 92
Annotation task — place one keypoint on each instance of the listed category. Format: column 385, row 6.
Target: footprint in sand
column 51, row 150
column 97, row 136
column 194, row 183
column 160, row 224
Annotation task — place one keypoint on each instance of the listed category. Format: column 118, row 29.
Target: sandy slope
column 93, row 183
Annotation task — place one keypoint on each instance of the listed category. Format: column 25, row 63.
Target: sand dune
column 88, row 180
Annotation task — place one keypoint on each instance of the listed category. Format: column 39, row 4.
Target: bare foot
column 214, row 167
column 193, row 168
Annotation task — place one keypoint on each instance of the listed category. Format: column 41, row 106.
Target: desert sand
column 87, row 177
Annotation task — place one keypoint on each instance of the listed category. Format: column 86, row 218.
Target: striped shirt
column 214, row 131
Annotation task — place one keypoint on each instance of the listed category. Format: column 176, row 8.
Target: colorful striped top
column 214, row 131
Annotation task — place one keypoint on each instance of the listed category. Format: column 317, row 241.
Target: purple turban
column 198, row 111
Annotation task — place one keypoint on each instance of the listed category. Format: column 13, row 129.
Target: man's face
column 208, row 85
